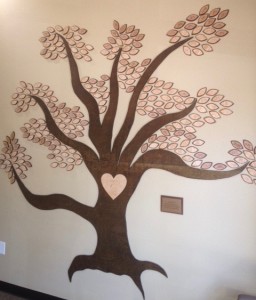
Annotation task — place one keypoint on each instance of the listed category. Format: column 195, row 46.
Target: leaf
column 188, row 158
column 198, row 142
column 206, row 165
column 198, row 123
column 192, row 149
column 179, row 24
column 201, row 92
column 219, row 25
column 235, row 152
column 201, row 37
column 196, row 163
column 247, row 178
column 248, row 145
column 215, row 114
column 219, row 166
column 226, row 111
column 209, row 22
column 192, row 17
column 223, row 14
column 227, row 103
column 214, row 12
column 212, row 106
column 209, row 120
column 204, row 9
column 187, row 50
column 197, row 52
column 213, row 40
column 207, row 48
column 232, row 164
column 249, row 155
column 251, row 171
column 221, row 33
column 116, row 25
column 172, row 32
column 241, row 160
column 200, row 155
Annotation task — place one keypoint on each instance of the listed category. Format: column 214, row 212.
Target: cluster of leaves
column 180, row 136
column 243, row 153
column 61, row 155
column 13, row 157
column 70, row 120
column 53, row 41
column 205, row 28
column 128, row 38
column 98, row 89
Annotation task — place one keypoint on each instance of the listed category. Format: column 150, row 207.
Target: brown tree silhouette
column 167, row 140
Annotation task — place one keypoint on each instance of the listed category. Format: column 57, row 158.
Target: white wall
column 209, row 252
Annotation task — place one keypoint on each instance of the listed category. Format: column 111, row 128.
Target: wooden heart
column 113, row 185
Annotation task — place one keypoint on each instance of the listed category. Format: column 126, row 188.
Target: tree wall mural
column 168, row 140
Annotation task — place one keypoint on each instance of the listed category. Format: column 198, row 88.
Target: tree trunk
column 112, row 253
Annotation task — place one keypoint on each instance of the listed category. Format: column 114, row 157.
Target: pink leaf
column 232, row 164
column 196, row 163
column 206, row 165
column 237, row 144
column 247, row 178
column 251, row 171
column 248, row 145
column 249, row 155
column 219, row 166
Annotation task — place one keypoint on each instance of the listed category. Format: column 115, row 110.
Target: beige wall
column 209, row 252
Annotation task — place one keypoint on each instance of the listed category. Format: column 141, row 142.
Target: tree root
column 129, row 266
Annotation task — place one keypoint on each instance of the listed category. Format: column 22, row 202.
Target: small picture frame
column 171, row 204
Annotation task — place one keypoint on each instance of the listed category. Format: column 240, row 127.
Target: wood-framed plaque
column 172, row 204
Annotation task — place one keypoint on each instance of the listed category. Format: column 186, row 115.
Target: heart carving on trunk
column 113, row 185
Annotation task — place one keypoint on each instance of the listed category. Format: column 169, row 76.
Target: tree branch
column 168, row 161
column 130, row 116
column 55, row 201
column 109, row 118
column 85, row 97
column 147, row 130
column 87, row 153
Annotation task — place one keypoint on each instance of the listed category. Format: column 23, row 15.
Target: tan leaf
column 214, row 12
column 202, row 18
column 186, row 50
column 204, row 9
column 213, row 40
column 197, row 51
column 226, row 111
column 209, row 31
column 221, row 33
column 223, row 14
column 202, row 92
column 179, row 24
column 197, row 30
column 192, row 17
column 190, row 26
column 116, row 25
column 209, row 22
column 207, row 48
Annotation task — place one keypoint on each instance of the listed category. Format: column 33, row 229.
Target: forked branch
column 86, row 152
column 109, row 118
column 130, row 116
column 168, row 161
column 85, row 97
column 55, row 201
column 147, row 130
